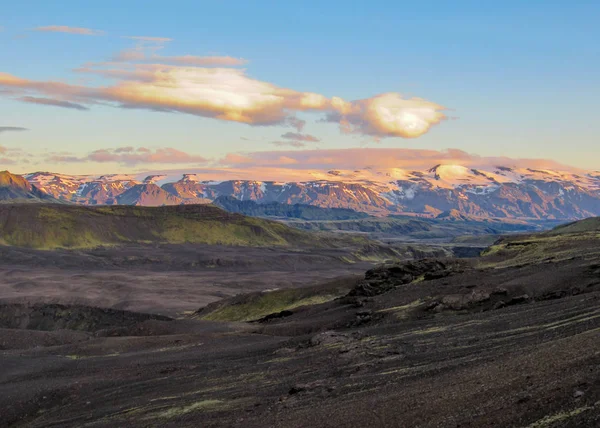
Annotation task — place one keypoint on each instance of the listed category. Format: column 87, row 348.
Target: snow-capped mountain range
column 497, row 191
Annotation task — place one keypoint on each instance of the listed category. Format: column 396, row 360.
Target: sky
column 130, row 86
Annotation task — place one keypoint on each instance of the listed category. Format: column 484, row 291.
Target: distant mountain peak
column 147, row 194
column 16, row 188
column 14, row 181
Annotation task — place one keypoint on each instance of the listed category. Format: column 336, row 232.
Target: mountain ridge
column 487, row 192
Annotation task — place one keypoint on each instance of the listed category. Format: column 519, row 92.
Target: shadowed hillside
column 64, row 226
column 276, row 209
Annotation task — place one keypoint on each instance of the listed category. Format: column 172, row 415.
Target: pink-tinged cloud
column 131, row 156
column 7, row 161
column 6, row 152
column 139, row 54
column 128, row 55
column 53, row 103
column 236, row 159
column 300, row 137
column 376, row 159
column 69, row 30
column 377, row 165
column 63, row 159
column 229, row 94
column 203, row 61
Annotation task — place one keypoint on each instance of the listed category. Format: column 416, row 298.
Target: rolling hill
column 70, row 226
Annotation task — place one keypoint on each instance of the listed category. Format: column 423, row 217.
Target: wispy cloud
column 139, row 55
column 69, row 30
column 380, row 159
column 10, row 154
column 64, row 159
column 300, row 137
column 296, row 123
column 53, row 102
column 12, row 129
column 296, row 144
column 210, row 87
column 204, row 61
column 132, row 156
column 374, row 164
column 150, row 39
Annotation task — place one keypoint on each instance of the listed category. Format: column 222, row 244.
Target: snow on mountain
column 486, row 191
column 60, row 186
column 84, row 189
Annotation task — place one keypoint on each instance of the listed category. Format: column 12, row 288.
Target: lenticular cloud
column 229, row 94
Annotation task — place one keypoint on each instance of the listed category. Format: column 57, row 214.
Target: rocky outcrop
column 389, row 277
column 50, row 317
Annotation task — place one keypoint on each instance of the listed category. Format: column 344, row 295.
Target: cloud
column 6, row 151
column 373, row 159
column 139, row 54
column 224, row 61
column 69, row 30
column 147, row 48
column 12, row 129
column 127, row 55
column 7, row 161
column 378, row 165
column 294, row 122
column 131, row 156
column 53, row 102
column 300, row 137
column 63, row 159
column 229, row 94
column 127, row 149
column 150, row 39
column 296, row 144
column 387, row 115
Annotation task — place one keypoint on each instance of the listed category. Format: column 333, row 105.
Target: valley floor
column 511, row 339
column 166, row 279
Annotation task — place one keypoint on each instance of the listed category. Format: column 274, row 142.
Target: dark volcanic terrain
column 509, row 339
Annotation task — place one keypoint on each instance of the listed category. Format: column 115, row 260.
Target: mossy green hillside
column 64, row 226
column 253, row 306
column 579, row 240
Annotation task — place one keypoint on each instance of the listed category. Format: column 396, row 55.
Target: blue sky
column 518, row 79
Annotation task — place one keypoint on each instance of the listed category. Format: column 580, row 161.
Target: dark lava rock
column 275, row 316
column 309, row 387
column 49, row 317
column 385, row 278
